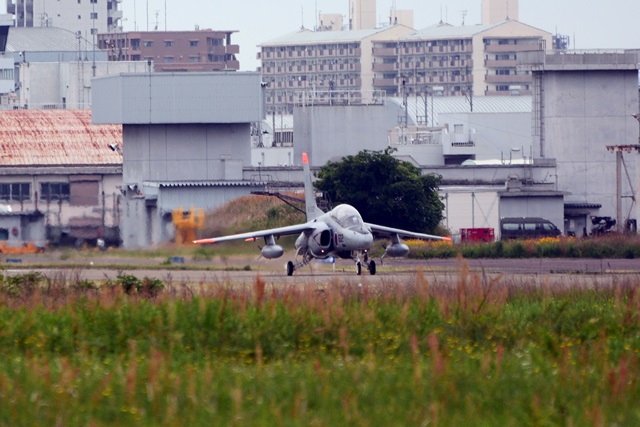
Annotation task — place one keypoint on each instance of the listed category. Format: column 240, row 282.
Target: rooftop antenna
column 463, row 13
column 156, row 27
column 507, row 10
column 165, row 15
column 302, row 17
column 441, row 14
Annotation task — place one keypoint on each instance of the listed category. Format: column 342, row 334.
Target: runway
column 246, row 271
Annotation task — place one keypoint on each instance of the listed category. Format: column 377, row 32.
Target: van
column 527, row 228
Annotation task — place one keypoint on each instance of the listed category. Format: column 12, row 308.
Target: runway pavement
column 538, row 270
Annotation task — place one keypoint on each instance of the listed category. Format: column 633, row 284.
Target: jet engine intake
column 272, row 251
column 397, row 250
column 320, row 242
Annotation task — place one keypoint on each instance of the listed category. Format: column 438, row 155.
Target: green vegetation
column 614, row 246
column 468, row 351
column 385, row 190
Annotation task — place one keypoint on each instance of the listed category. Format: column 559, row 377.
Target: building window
column 6, row 74
column 147, row 43
column 54, row 191
column 168, row 43
column 84, row 193
column 15, row 192
column 168, row 59
column 193, row 43
column 194, row 59
column 94, row 15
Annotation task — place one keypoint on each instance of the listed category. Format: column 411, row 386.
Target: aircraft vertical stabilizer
column 313, row 211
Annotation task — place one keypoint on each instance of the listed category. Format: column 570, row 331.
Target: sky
column 612, row 24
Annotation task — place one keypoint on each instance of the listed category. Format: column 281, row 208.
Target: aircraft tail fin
column 309, row 192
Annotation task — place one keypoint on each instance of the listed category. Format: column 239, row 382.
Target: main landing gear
column 291, row 266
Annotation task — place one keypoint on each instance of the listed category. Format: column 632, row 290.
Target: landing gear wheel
column 372, row 268
column 290, row 268
column 358, row 268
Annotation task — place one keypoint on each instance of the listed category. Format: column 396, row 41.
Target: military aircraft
column 341, row 231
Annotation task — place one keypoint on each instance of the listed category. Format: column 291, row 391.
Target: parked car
column 527, row 228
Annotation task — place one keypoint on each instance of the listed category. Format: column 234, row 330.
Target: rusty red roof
column 56, row 137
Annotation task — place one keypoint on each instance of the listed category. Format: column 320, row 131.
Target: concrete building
column 362, row 14
column 87, row 18
column 187, row 138
column 52, row 68
column 174, row 51
column 583, row 103
column 475, row 60
column 494, row 11
column 58, row 177
column 324, row 61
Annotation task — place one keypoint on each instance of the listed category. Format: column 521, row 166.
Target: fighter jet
column 340, row 232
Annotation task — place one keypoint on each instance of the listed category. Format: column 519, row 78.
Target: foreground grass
column 471, row 352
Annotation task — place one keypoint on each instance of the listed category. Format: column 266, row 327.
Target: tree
column 385, row 190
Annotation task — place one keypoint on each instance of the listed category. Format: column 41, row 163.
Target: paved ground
column 539, row 270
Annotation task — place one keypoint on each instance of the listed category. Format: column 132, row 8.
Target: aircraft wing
column 253, row 235
column 387, row 231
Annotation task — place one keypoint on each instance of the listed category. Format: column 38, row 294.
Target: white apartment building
column 87, row 17
column 471, row 60
column 320, row 61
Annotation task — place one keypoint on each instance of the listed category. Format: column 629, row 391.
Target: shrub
column 21, row 284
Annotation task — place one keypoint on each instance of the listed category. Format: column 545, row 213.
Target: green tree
column 385, row 190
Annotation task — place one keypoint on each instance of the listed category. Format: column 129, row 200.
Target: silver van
column 527, row 228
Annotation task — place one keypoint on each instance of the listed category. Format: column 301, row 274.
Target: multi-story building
column 465, row 60
column 200, row 50
column 86, row 17
column 324, row 61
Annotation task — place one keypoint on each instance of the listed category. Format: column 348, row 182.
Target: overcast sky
column 589, row 24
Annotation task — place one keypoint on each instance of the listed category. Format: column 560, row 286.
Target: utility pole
column 620, row 150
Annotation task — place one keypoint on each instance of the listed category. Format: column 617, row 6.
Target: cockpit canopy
column 348, row 217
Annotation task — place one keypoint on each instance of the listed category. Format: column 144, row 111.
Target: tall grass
column 466, row 351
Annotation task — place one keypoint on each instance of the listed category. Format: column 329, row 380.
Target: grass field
column 462, row 352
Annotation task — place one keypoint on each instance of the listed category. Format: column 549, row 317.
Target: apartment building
column 320, row 61
column 454, row 61
column 85, row 17
column 173, row 51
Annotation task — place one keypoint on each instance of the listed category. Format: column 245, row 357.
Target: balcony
column 384, row 51
column 233, row 49
column 384, row 82
column 384, row 67
column 496, row 63
column 497, row 48
column 507, row 93
column 217, row 50
column 510, row 78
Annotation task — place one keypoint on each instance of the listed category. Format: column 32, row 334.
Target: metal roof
column 56, row 137
column 461, row 104
column 317, row 37
column 448, row 31
column 45, row 39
